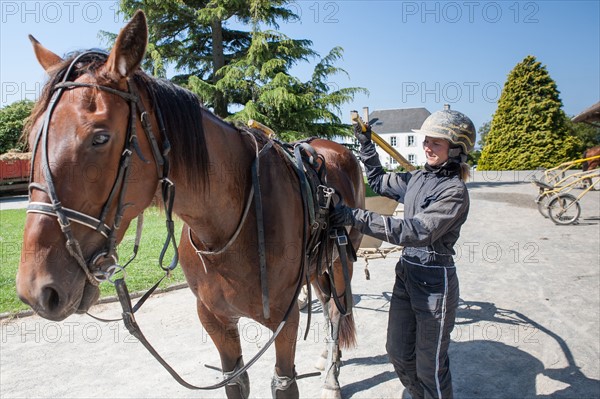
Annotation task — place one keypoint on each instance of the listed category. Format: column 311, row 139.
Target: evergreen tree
column 588, row 134
column 12, row 120
column 483, row 132
column 528, row 128
column 245, row 71
column 194, row 36
column 260, row 82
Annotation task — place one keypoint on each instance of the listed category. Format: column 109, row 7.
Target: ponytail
column 465, row 171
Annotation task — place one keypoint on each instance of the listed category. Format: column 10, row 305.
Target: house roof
column 398, row 120
column 590, row 115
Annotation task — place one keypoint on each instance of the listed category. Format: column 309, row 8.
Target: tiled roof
column 398, row 120
column 590, row 115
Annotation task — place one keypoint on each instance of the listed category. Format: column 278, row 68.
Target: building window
column 410, row 141
column 393, row 161
column 393, row 141
column 412, row 158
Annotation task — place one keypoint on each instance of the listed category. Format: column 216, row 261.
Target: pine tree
column 528, row 128
column 245, row 72
column 261, row 84
column 195, row 36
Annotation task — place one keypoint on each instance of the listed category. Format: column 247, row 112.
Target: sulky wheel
column 542, row 203
column 564, row 209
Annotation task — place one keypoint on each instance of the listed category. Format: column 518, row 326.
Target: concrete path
column 15, row 202
column 528, row 325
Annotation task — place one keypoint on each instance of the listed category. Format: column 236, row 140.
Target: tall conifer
column 528, row 128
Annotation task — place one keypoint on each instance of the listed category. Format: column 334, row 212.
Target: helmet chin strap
column 456, row 154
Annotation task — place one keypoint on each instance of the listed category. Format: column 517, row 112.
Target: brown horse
column 98, row 113
column 589, row 153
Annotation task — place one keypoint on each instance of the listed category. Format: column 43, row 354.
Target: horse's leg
column 283, row 384
column 331, row 386
column 323, row 359
column 341, row 332
column 226, row 338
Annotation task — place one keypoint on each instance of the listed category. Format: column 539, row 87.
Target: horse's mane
column 181, row 112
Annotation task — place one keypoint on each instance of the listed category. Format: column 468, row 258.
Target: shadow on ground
column 492, row 369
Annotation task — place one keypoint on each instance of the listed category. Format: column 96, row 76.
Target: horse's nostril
column 50, row 299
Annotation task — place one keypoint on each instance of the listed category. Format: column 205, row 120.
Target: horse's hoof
column 240, row 387
column 284, row 387
column 331, row 386
column 290, row 393
column 331, row 393
column 322, row 361
column 303, row 298
column 234, row 391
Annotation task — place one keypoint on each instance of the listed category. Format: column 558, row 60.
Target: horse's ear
column 45, row 57
column 130, row 47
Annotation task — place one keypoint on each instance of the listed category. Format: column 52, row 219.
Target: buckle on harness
column 324, row 195
column 340, row 236
column 108, row 275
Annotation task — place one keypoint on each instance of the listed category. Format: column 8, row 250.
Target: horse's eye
column 100, row 139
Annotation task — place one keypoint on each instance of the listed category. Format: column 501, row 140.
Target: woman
column 436, row 204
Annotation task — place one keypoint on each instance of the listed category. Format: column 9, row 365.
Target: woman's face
column 436, row 150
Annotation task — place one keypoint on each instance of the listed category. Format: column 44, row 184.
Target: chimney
column 366, row 114
column 446, row 107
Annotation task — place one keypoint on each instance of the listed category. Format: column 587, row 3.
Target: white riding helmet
column 453, row 126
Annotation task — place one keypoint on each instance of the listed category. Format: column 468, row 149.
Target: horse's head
column 88, row 177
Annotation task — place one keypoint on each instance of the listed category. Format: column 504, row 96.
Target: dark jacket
column 436, row 204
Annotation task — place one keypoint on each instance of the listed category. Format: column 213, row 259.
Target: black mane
column 181, row 112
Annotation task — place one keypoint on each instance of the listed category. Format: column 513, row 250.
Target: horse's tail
column 347, row 337
column 585, row 165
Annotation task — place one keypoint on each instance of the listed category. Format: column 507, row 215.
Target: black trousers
column 421, row 318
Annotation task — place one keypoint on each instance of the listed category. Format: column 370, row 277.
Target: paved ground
column 528, row 325
column 15, row 202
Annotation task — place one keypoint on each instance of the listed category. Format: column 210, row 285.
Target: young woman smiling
column 426, row 292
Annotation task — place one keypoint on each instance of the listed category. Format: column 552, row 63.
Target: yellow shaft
column 383, row 144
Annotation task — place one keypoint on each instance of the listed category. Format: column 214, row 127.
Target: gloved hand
column 341, row 216
column 362, row 137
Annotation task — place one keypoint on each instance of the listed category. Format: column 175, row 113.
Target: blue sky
column 406, row 53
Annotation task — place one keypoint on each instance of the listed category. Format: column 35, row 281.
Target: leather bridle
column 100, row 224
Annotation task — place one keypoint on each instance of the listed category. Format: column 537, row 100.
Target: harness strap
column 72, row 215
column 304, row 193
column 134, row 329
column 304, row 183
column 260, row 222
column 257, row 197
column 69, row 85
column 168, row 195
column 318, row 218
column 340, row 237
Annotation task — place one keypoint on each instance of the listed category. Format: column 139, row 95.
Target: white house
column 395, row 126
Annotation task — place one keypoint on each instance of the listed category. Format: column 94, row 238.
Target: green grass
column 142, row 273
column 369, row 192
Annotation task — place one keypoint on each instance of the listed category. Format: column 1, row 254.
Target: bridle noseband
column 65, row 215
